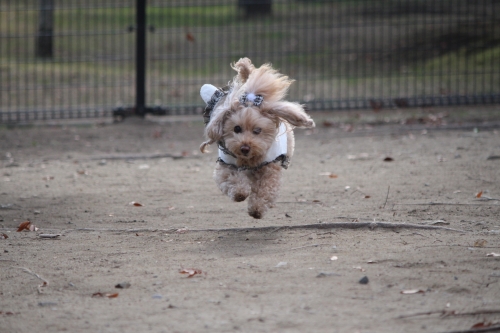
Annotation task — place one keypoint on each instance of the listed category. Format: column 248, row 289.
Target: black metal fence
column 87, row 58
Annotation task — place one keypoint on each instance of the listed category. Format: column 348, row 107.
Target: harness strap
column 283, row 159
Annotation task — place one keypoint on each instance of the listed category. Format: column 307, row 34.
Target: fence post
column 140, row 58
column 45, row 32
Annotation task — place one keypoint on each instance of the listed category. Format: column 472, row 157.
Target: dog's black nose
column 245, row 149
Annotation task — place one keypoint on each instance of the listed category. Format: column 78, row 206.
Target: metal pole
column 140, row 58
column 44, row 45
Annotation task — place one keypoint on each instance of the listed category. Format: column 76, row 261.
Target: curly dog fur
column 248, row 131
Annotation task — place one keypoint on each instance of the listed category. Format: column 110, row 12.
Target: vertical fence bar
column 140, row 58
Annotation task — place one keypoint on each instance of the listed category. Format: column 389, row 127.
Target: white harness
column 277, row 149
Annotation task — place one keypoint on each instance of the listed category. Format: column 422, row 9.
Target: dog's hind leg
column 234, row 184
column 265, row 189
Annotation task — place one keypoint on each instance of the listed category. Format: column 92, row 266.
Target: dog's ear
column 214, row 130
column 293, row 113
column 244, row 67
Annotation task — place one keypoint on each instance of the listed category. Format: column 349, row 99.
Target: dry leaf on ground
column 26, row 225
column 480, row 243
column 479, row 194
column 412, row 291
column 136, row 204
column 329, row 174
column 4, row 236
column 108, row 295
column 190, row 271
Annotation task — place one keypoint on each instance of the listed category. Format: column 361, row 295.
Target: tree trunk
column 254, row 8
column 44, row 37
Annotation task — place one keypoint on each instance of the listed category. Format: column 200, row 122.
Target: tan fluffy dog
column 253, row 127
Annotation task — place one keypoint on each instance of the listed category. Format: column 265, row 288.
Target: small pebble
column 123, row 285
column 364, row 280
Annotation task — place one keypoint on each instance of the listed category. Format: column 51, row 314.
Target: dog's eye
column 257, row 130
column 237, row 129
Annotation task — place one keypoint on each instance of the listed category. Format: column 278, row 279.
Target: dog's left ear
column 293, row 113
column 214, row 114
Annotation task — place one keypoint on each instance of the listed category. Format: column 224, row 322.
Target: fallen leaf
column 368, row 196
column 376, row 105
column 190, row 37
column 190, row 271
column 108, row 295
column 493, row 254
column 329, row 174
column 4, row 236
column 480, row 243
column 412, row 291
column 7, row 313
column 136, row 204
column 359, row 268
column 479, row 194
column 388, row 159
column 27, row 225
column 482, row 325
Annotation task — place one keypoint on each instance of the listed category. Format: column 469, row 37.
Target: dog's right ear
column 244, row 67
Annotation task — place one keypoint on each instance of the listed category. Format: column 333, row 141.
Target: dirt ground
column 78, row 180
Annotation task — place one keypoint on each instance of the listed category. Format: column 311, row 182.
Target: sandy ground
column 254, row 275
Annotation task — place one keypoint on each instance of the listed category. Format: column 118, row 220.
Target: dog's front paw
column 255, row 214
column 239, row 197
column 239, row 193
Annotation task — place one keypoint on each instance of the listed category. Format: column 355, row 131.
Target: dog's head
column 246, row 115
